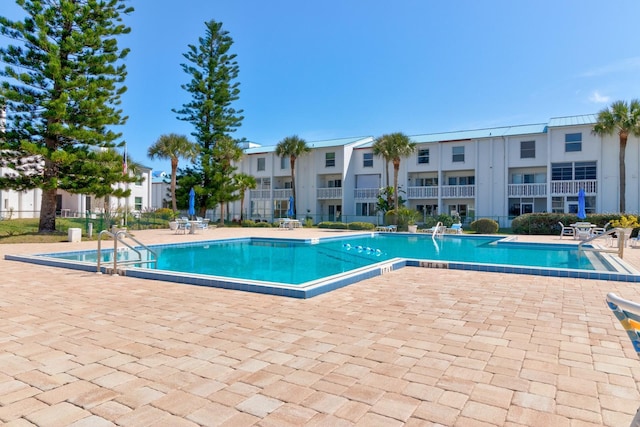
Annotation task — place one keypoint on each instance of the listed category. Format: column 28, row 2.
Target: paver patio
column 412, row 347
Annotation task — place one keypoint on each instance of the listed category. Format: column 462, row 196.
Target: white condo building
column 496, row 173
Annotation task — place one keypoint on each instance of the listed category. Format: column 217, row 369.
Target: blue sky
column 344, row 68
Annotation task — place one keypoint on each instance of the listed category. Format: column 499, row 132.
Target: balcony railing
column 590, row 186
column 278, row 194
column 450, row 191
column 366, row 193
column 422, row 192
column 527, row 190
column 329, row 193
column 282, row 193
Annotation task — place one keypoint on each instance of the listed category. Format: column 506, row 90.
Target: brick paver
column 412, row 347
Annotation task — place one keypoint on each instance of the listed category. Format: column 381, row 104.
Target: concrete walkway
column 412, row 347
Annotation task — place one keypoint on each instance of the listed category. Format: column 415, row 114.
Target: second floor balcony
column 422, row 192
column 527, row 190
column 276, row 193
column 329, row 193
column 560, row 188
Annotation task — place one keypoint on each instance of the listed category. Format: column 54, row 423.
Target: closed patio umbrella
column 192, row 202
column 290, row 210
column 582, row 214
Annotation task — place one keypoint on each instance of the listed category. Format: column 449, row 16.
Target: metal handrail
column 119, row 237
column 620, row 250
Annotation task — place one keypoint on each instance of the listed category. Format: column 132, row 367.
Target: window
column 88, row 202
column 263, row 183
column 367, row 160
column 423, row 156
column 287, row 185
column 557, row 204
column 572, row 142
column 458, row 154
column 334, row 183
column 139, row 180
column 426, row 182
column 138, row 204
column 462, row 180
column 585, row 170
column 261, row 163
column 561, row 171
column 366, row 209
column 571, row 171
column 329, row 160
column 527, row 149
column 283, row 162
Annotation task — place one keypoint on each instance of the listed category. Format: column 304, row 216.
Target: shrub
column 252, row 223
column 361, row 226
column 165, row 213
column 445, row 219
column 333, row 225
column 485, row 226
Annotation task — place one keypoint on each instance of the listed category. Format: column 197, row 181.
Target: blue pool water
column 298, row 262
column 307, row 268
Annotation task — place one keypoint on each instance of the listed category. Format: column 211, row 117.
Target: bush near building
column 485, row 226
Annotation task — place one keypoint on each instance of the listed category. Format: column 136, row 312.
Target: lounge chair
column 455, row 229
column 387, row 228
column 566, row 231
column 628, row 314
column 437, row 230
column 203, row 223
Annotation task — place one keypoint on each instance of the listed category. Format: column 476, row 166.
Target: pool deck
column 412, row 347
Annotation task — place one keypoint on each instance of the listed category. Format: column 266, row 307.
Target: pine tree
column 62, row 84
column 213, row 70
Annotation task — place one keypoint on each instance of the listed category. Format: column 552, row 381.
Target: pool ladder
column 119, row 236
column 620, row 238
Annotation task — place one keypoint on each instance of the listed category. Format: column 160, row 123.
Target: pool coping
column 625, row 273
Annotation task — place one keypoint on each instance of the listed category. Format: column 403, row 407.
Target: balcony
column 562, row 188
column 366, row 193
column 278, row 194
column 422, row 192
column 458, row 191
column 527, row 190
column 329, row 193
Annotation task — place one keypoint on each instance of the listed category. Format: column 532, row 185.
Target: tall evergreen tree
column 62, row 85
column 213, row 70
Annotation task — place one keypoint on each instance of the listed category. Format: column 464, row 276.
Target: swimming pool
column 305, row 268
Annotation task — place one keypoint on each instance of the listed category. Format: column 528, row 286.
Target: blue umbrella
column 582, row 214
column 290, row 210
column 192, row 202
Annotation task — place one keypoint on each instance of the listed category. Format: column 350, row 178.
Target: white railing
column 422, row 192
column 590, row 186
column 282, row 193
column 278, row 194
column 527, row 190
column 260, row 194
column 458, row 191
column 329, row 193
column 366, row 193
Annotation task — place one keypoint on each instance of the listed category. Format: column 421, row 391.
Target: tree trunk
column 623, row 173
column 241, row 207
column 174, row 171
column 48, row 211
column 292, row 161
column 396, row 170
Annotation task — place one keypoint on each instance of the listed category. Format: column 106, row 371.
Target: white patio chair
column 566, row 231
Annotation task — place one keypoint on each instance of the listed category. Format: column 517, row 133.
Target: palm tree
column 393, row 147
column 294, row 147
column 623, row 119
column 244, row 182
column 380, row 149
column 173, row 147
